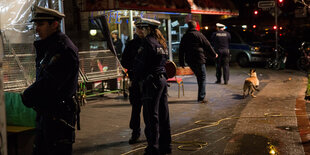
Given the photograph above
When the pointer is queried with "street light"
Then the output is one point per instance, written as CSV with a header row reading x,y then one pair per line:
x,y
255,12
280,2
93,32
275,27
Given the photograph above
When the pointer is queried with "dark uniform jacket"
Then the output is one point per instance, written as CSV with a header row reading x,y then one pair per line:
x,y
57,67
151,59
118,45
129,54
194,46
220,40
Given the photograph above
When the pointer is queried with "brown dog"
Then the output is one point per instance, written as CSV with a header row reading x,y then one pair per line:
x,y
251,83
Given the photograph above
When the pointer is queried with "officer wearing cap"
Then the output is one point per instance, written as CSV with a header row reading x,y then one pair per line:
x,y
52,94
149,67
127,61
118,45
220,41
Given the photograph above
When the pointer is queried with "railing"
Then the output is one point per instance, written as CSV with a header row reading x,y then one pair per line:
x,y
18,66
100,73
98,69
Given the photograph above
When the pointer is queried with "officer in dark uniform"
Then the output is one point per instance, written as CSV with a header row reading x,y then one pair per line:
x,y
127,61
220,41
117,42
51,95
149,68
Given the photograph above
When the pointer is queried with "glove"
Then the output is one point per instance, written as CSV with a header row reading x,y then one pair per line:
x,y
24,100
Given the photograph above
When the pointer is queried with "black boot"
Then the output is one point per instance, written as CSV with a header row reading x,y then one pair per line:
x,y
164,151
134,137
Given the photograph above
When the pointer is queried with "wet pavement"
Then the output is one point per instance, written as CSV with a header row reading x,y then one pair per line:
x,y
276,121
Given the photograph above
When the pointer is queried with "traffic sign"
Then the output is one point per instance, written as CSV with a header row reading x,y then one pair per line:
x,y
266,4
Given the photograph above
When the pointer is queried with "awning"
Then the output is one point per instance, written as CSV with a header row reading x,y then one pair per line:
x,y
215,7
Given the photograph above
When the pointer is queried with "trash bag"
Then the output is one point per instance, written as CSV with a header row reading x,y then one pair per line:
x,y
17,114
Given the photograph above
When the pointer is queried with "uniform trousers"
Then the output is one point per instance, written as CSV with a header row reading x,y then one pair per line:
x,y
53,136
135,101
222,62
156,116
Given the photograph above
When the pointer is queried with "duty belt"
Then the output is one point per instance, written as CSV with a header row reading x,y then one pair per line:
x,y
75,108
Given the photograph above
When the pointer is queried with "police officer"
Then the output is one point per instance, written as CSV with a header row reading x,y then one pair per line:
x,y
51,95
220,41
149,68
118,44
128,56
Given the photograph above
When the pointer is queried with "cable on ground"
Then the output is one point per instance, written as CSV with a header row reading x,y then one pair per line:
x,y
197,145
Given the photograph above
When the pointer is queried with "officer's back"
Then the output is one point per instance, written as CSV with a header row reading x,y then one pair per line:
x,y
220,39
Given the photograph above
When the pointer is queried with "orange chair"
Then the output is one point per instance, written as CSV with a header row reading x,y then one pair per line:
x,y
179,81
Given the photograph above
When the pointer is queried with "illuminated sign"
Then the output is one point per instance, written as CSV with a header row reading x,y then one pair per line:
x,y
115,16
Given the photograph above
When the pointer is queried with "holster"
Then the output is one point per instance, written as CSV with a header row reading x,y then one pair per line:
x,y
149,86
67,112
77,112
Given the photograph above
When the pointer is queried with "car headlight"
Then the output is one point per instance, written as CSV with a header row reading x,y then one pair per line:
x,y
255,49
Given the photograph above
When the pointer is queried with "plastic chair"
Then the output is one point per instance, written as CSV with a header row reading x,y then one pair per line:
x,y
179,81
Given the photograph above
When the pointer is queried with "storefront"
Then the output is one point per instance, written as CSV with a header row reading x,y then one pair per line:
x,y
173,26
173,16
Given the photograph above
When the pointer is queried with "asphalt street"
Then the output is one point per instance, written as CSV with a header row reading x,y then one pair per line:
x,y
276,121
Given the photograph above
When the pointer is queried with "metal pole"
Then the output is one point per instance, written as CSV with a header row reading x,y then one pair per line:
x,y
276,23
3,139
169,40
61,10
50,4
130,25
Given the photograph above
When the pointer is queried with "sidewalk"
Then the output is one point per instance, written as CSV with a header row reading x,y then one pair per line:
x,y
230,124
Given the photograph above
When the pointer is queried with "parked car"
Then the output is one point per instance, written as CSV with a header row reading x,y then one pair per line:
x,y
245,48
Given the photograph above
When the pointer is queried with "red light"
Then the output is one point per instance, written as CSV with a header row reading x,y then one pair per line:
x,y
254,26
280,34
255,12
197,26
280,3
275,27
